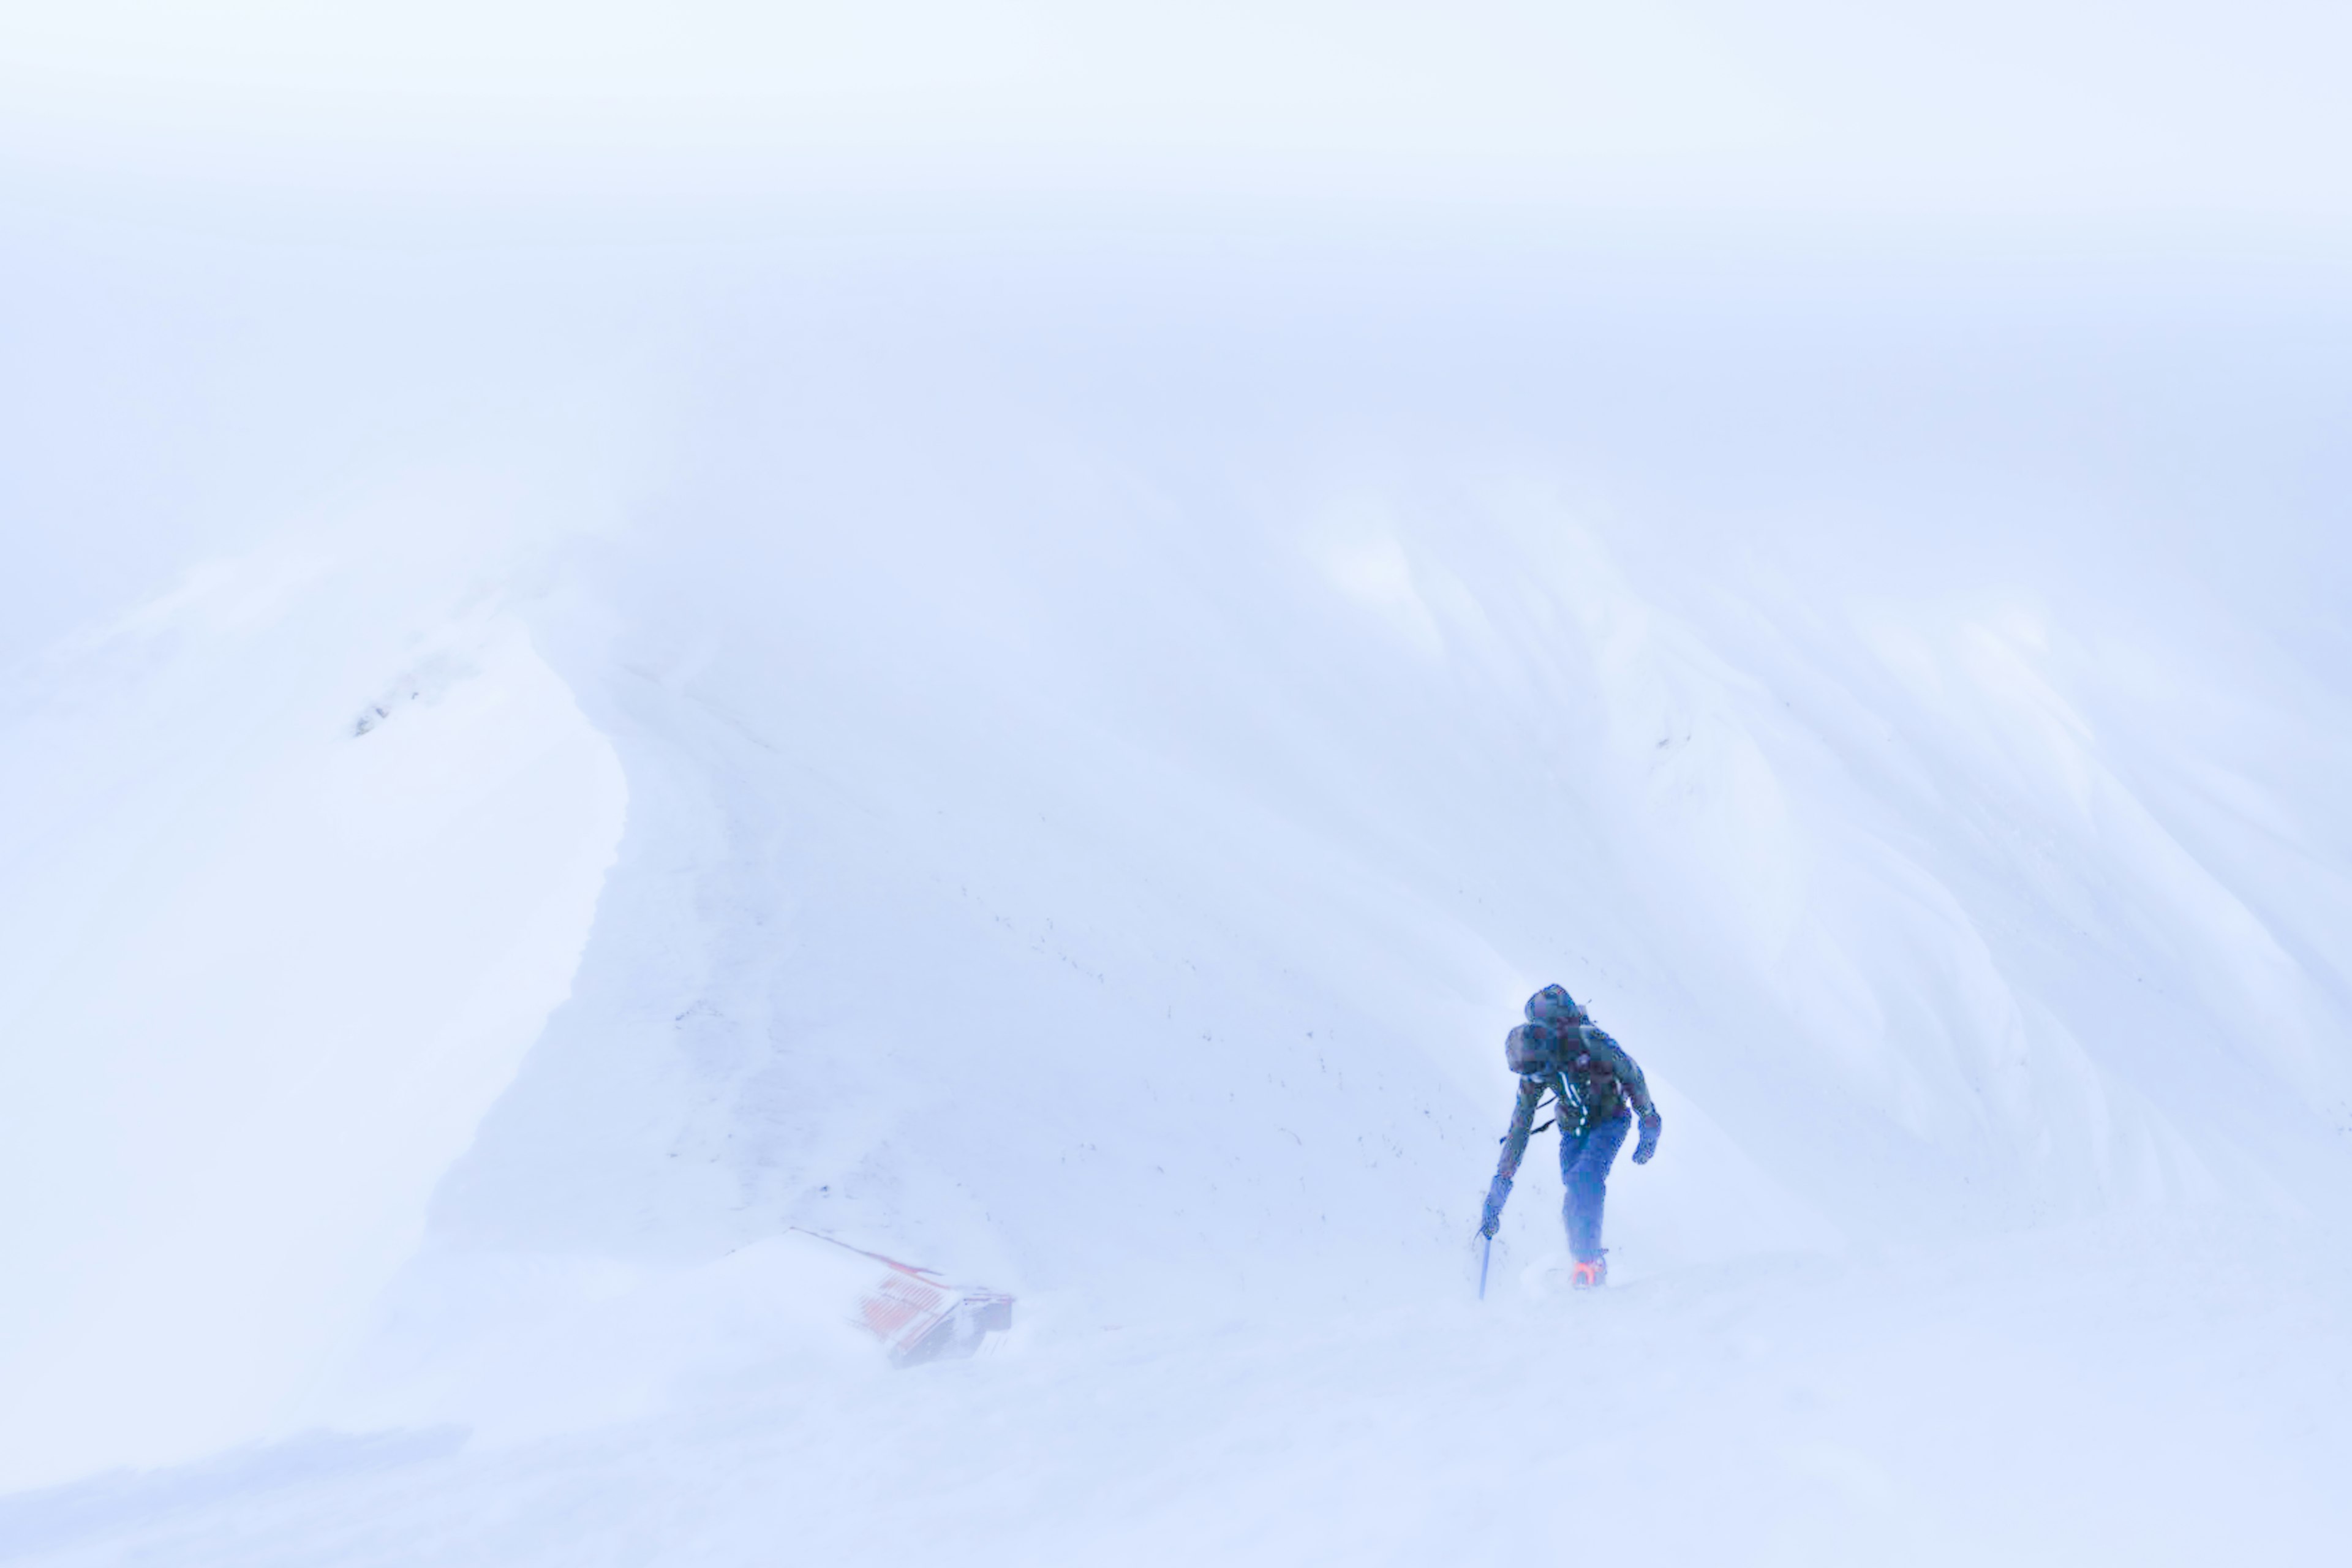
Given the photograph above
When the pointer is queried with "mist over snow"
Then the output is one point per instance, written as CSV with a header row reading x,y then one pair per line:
x,y
529,770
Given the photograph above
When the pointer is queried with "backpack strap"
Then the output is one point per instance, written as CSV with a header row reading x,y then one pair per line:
x,y
1563,1097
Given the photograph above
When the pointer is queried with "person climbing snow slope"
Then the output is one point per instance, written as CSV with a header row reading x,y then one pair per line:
x,y
1597,1092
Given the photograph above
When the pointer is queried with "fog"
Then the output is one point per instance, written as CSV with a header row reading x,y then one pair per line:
x,y
1015,640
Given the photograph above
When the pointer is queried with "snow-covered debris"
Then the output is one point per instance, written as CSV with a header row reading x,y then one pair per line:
x,y
917,1315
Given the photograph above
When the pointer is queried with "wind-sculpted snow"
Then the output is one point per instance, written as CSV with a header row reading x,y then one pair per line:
x,y
263,977
2011,1403
1103,771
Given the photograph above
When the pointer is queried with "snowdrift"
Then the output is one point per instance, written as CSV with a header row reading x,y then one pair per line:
x,y
296,870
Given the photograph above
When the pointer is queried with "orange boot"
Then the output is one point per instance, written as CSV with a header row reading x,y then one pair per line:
x,y
1592,1276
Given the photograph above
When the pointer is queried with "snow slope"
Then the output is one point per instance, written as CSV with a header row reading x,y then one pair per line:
x,y
1107,747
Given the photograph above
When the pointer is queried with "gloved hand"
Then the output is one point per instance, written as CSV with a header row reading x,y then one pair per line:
x,y
1648,1145
1496,1195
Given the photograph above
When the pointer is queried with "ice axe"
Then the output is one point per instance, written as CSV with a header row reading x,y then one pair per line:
x,y
1485,1253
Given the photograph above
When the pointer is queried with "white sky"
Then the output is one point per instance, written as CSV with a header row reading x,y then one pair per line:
x,y
2123,108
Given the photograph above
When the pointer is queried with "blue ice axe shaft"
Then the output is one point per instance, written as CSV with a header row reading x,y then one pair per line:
x,y
1485,1254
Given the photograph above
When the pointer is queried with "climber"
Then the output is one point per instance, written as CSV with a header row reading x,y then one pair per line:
x,y
1598,1094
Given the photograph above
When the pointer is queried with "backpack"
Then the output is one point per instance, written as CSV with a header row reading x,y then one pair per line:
x,y
1540,1048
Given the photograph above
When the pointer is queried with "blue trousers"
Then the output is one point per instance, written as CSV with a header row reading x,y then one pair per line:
x,y
1584,1162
